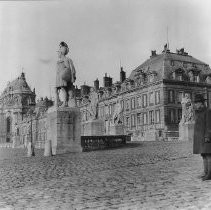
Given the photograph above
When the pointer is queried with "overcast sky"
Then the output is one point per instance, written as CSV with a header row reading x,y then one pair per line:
x,y
99,33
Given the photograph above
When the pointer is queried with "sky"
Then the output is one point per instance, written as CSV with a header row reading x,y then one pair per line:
x,y
101,34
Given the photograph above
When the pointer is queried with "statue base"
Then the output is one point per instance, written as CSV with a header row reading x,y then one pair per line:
x,y
116,129
93,128
186,131
63,131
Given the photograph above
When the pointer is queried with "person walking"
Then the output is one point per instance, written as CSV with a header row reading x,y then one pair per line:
x,y
202,134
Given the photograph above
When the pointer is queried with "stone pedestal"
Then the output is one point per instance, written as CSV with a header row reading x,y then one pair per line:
x,y
116,129
186,131
93,128
63,130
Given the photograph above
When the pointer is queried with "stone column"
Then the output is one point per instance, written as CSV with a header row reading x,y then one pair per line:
x,y
63,131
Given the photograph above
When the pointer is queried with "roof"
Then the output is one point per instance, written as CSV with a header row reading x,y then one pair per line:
x,y
19,85
161,64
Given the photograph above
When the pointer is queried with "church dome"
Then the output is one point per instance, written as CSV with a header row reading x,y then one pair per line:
x,y
19,85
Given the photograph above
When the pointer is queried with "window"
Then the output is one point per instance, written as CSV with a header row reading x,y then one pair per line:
x,y
171,96
179,115
157,97
196,78
127,121
157,116
138,118
110,108
179,77
151,117
145,100
139,101
122,104
171,116
145,118
179,97
172,63
133,103
127,104
133,120
151,98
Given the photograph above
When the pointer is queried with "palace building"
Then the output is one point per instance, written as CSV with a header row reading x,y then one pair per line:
x,y
151,96
150,99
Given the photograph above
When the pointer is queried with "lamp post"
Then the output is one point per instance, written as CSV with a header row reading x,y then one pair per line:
x,y
30,146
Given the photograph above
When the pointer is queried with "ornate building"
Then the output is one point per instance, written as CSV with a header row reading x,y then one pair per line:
x,y
151,96
15,102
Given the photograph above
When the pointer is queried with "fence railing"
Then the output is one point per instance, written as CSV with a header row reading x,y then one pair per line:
x,y
89,143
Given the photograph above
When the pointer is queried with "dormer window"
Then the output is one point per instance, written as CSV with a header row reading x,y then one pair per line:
x,y
178,74
193,65
172,63
179,77
196,78
185,64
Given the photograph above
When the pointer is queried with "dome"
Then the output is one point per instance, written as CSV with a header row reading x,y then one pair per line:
x,y
19,85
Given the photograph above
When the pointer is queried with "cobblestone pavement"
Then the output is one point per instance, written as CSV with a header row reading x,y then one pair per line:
x,y
150,175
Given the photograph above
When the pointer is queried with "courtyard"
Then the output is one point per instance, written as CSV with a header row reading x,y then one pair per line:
x,y
140,175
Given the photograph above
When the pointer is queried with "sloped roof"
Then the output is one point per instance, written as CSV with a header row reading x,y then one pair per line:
x,y
157,64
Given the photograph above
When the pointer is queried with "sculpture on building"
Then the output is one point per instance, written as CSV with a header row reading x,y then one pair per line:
x,y
117,115
187,110
93,106
65,77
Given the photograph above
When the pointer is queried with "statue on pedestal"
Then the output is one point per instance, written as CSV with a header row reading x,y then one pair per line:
x,y
187,110
65,77
117,115
93,106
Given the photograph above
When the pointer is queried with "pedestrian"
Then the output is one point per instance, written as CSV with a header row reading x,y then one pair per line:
x,y
202,134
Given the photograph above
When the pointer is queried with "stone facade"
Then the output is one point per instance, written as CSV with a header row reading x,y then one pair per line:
x,y
151,96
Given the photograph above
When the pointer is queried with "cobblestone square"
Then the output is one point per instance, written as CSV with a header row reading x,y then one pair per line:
x,y
145,175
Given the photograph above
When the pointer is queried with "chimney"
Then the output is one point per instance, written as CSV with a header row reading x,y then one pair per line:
x,y
106,80
110,81
153,53
122,75
96,84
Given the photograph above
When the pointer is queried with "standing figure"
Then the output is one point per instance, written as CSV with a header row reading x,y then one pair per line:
x,y
93,106
202,134
187,110
65,77
117,115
